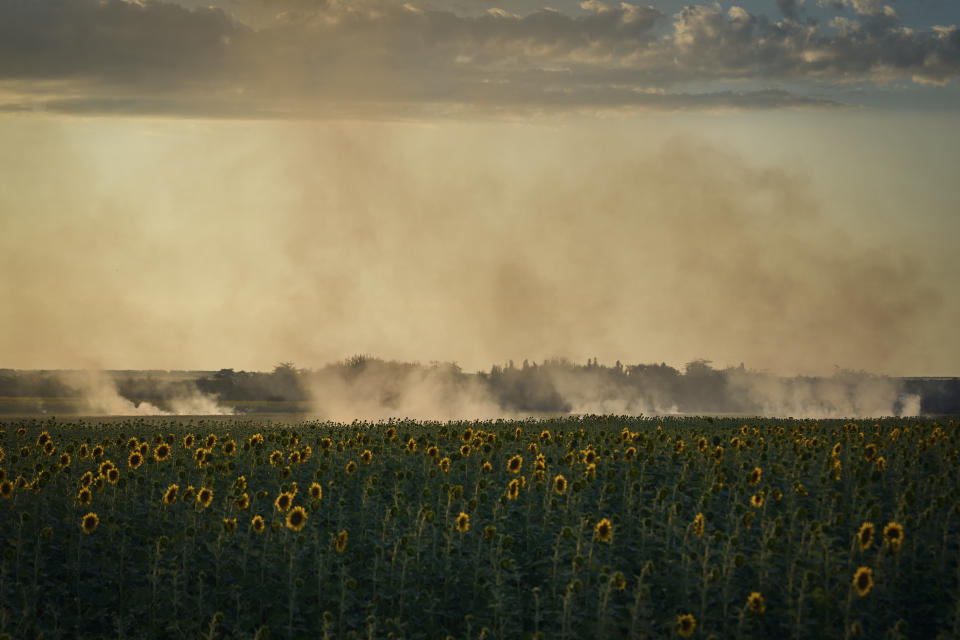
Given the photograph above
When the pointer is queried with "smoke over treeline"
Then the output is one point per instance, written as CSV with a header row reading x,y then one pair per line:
x,y
372,388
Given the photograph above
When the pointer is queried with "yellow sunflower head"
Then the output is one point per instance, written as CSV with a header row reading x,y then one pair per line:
x,y
316,491
205,497
686,624
865,535
755,603
604,530
89,523
283,502
257,524
296,518
699,522
560,484
893,536
463,522
515,464
341,541
170,495
863,580
513,489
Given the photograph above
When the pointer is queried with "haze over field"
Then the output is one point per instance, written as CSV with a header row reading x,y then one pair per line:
x,y
194,185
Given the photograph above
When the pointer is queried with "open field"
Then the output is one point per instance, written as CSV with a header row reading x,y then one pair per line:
x,y
565,528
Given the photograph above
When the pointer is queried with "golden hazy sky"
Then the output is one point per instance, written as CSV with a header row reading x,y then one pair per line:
x,y
241,185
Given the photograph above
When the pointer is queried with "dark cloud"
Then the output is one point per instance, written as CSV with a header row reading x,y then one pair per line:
x,y
316,58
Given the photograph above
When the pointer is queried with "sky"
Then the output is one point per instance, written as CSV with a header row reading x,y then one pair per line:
x,y
236,183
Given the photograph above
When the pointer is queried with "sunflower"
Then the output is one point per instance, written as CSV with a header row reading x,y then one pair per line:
x,y
64,461
255,440
257,524
42,438
865,535
863,580
49,448
326,443
560,484
98,482
515,464
6,489
341,542
589,456
294,457
243,501
390,433
211,441
89,522
229,448
463,522
205,497
630,454
86,479
366,456
296,518
756,500
83,451
518,433
113,475
84,497
702,444
161,452
465,450
467,435
835,452
487,467
513,489
718,454
699,521
411,445
283,502
545,435
305,453
200,456
869,452
229,525
445,464
316,491
276,458
893,535
97,452
351,468
755,476
105,466
135,460
604,530
433,451
755,603
881,463
800,489
532,448
679,446
618,581
686,623
170,495
188,441
591,471
144,449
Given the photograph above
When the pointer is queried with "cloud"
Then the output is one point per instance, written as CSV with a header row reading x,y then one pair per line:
x,y
309,59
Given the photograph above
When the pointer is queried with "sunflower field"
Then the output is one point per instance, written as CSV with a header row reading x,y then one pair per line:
x,y
584,527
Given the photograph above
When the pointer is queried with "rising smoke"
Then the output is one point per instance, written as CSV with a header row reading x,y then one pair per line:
x,y
99,395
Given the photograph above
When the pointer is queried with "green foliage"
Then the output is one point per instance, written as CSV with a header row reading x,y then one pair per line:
x,y
619,552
